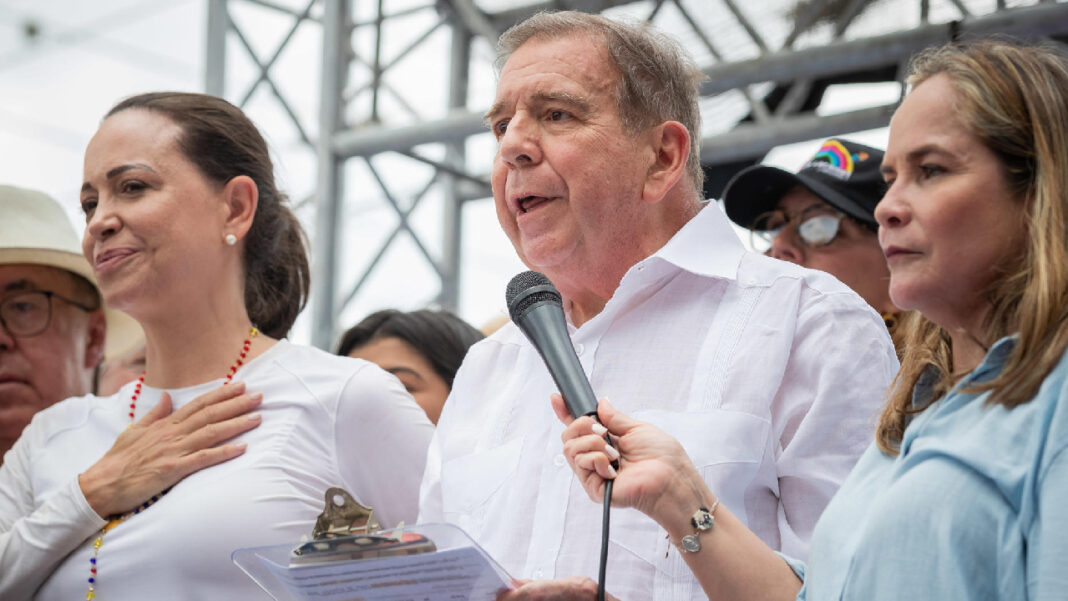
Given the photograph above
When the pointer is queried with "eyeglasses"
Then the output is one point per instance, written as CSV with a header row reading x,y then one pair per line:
x,y
817,225
28,314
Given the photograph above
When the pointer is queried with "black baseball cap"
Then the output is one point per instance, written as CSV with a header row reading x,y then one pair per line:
x,y
843,174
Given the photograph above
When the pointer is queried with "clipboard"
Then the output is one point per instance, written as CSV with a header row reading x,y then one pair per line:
x,y
424,562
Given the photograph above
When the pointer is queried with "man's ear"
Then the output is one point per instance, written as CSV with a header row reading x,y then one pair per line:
x,y
671,145
95,341
240,199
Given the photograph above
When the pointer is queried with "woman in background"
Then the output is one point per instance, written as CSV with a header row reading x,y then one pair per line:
x,y
422,348
145,494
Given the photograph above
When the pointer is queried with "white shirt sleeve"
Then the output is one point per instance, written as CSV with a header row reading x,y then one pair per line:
x,y
470,376
431,508
430,491
825,411
382,437
34,539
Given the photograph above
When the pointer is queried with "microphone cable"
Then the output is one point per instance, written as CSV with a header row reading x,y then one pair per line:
x,y
604,539
606,513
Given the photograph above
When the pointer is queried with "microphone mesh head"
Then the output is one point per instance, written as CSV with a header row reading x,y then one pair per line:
x,y
518,302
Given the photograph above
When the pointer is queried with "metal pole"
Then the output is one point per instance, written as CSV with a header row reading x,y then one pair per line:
x,y
455,155
215,57
376,65
878,51
335,60
749,140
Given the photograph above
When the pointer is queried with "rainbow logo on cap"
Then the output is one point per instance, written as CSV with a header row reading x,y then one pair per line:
x,y
834,153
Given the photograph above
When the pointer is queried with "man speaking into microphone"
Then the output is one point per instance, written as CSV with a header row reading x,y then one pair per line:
x,y
769,374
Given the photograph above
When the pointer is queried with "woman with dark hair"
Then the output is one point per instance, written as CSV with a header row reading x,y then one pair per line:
x,y
962,495
422,348
232,435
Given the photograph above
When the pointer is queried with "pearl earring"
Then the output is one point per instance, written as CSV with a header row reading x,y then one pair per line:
x,y
230,239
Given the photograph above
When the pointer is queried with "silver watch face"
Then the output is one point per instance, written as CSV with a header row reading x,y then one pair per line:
x,y
704,520
690,543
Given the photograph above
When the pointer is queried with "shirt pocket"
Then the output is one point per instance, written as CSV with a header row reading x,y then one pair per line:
x,y
727,448
468,483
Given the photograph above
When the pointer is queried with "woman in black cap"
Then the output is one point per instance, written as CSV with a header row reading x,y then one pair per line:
x,y
822,217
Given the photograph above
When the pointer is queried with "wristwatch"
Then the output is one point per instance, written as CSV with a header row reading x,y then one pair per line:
x,y
702,520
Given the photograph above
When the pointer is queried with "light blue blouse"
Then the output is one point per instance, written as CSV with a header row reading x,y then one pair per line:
x,y
975,507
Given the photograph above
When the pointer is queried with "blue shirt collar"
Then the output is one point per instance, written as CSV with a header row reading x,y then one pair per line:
x,y
988,368
995,358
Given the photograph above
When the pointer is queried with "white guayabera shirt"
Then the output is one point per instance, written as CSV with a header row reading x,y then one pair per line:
x,y
771,376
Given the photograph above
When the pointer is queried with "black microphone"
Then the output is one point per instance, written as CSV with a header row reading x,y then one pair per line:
x,y
537,308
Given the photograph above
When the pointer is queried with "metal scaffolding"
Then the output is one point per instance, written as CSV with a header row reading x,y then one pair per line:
x,y
779,79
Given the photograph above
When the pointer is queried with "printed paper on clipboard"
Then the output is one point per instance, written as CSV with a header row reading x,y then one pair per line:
x,y
458,569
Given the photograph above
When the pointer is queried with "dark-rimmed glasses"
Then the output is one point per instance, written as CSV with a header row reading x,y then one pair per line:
x,y
27,314
816,226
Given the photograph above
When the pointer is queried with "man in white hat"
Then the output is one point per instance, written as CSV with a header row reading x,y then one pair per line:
x,y
52,321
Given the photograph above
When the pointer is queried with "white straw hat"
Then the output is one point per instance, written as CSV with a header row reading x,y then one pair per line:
x,y
34,229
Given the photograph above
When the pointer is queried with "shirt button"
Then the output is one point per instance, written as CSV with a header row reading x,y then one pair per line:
x,y
579,348
559,461
538,574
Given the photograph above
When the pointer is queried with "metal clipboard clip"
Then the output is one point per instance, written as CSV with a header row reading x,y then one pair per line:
x,y
347,530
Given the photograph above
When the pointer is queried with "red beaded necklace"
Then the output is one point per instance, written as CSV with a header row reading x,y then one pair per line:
x,y
115,520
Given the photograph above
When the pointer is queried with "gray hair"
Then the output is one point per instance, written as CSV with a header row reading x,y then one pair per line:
x,y
659,81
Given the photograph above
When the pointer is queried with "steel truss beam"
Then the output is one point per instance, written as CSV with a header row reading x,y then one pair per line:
x,y
832,59
798,77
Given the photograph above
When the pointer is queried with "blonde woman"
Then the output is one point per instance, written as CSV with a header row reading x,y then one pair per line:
x,y
963,494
